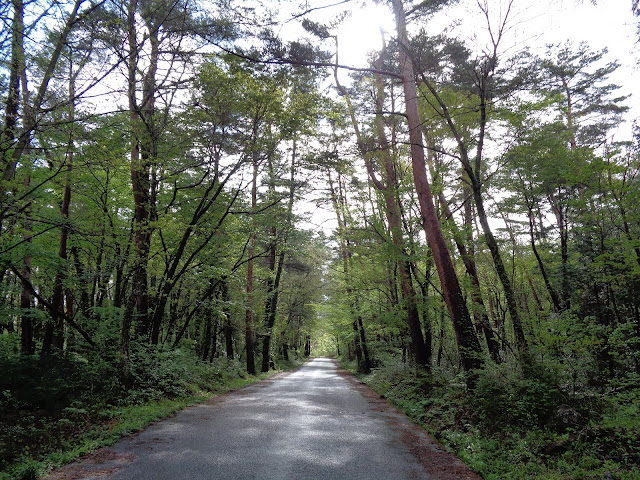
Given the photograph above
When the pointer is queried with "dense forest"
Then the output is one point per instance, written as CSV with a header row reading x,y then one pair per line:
x,y
158,158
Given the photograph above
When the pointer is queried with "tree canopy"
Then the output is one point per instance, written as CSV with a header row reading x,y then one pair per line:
x,y
476,217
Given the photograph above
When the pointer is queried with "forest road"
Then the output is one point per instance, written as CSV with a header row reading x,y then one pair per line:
x,y
317,422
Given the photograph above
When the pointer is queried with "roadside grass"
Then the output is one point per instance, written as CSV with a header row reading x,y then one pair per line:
x,y
57,409
514,428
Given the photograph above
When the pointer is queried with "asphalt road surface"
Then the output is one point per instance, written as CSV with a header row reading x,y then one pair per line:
x,y
315,423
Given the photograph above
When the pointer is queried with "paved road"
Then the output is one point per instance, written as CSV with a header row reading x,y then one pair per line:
x,y
315,423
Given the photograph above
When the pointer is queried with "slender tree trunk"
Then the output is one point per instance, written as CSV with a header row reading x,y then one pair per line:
x,y
552,293
119,281
141,156
470,266
475,177
270,313
136,301
150,325
422,353
228,328
8,143
272,294
307,346
426,323
468,259
248,322
214,341
8,137
365,350
31,110
337,201
272,279
441,338
468,346
272,309
54,332
28,346
521,341
206,338
271,266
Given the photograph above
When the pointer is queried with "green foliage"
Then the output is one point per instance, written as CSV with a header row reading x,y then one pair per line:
x,y
512,427
62,406
571,195
504,398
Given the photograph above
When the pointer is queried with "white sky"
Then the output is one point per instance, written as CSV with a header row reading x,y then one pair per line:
x,y
609,24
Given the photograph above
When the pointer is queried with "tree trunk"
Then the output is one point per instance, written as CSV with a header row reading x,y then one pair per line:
x,y
137,301
206,338
228,329
28,346
422,353
468,259
338,201
271,313
214,341
521,341
248,334
366,367
274,286
307,346
8,138
31,110
552,293
54,333
468,346
475,177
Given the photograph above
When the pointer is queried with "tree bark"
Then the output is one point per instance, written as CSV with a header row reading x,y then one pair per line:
x,y
228,328
422,352
8,138
136,301
214,341
272,293
557,306
474,174
54,333
206,338
337,200
307,346
468,259
248,322
270,311
560,212
28,346
468,346
31,110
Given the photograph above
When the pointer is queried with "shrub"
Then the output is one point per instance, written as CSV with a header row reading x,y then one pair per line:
x,y
505,398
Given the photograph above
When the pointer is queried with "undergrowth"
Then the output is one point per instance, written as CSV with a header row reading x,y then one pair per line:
x,y
513,427
59,407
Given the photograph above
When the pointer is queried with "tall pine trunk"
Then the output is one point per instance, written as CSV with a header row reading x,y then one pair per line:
x,y
337,200
468,345
422,351
474,174
272,292
248,322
